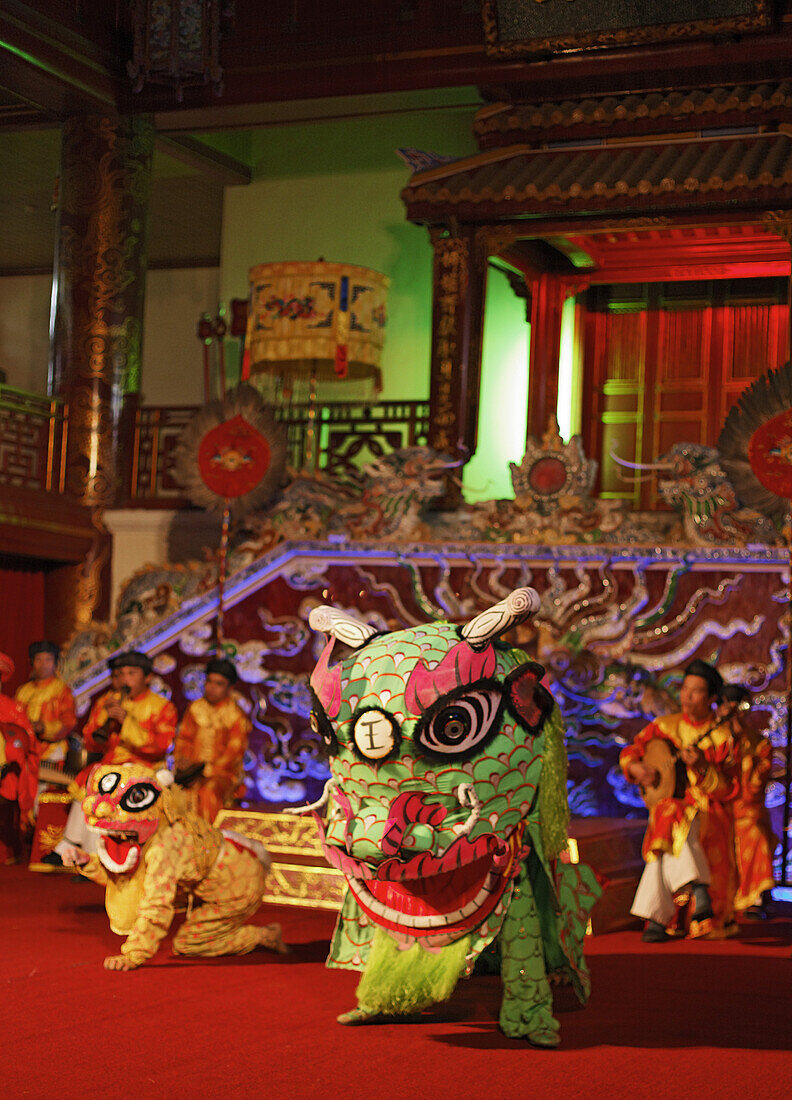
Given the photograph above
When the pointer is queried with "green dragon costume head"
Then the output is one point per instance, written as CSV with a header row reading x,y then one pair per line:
x,y
448,781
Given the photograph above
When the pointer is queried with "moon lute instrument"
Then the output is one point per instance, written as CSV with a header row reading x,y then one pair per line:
x,y
670,779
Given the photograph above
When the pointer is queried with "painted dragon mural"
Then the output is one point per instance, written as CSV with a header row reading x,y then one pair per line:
x,y
448,816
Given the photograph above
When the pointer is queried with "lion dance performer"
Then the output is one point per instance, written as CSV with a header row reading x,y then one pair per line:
x,y
448,817
152,851
18,770
212,739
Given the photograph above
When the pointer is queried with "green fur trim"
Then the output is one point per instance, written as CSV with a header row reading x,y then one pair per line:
x,y
553,801
398,982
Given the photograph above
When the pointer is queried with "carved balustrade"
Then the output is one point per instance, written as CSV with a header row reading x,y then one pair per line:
x,y
33,433
347,434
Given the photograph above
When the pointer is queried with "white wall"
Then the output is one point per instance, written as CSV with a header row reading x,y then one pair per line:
x,y
140,538
172,364
24,330
172,368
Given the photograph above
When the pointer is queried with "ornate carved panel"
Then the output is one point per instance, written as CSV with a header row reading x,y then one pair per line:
x,y
615,629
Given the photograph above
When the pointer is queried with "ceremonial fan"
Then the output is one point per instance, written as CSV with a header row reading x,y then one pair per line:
x,y
756,451
230,458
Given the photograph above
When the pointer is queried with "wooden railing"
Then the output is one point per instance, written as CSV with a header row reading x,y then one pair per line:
x,y
157,430
33,431
337,438
349,434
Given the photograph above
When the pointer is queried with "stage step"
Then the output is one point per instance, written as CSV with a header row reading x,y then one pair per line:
x,y
611,846
301,876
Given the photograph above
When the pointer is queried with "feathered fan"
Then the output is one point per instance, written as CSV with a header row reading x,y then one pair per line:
x,y
232,453
231,457
756,444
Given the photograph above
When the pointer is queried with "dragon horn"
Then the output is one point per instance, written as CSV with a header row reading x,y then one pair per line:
x,y
640,465
346,628
517,606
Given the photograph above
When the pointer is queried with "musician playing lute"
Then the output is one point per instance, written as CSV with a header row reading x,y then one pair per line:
x,y
689,841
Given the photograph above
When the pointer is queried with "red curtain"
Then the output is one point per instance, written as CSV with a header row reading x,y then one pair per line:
x,y
21,618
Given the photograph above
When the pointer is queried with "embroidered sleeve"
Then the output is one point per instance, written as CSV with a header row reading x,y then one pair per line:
x,y
234,748
58,716
96,718
757,764
636,750
718,779
184,747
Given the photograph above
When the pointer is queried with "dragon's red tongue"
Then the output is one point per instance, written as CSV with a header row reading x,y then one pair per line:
x,y
434,894
118,850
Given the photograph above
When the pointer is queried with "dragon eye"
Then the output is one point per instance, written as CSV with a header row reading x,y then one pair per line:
x,y
321,725
108,782
458,726
139,797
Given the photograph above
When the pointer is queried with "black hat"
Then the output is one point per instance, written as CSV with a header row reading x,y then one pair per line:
x,y
221,666
133,658
735,693
43,647
708,673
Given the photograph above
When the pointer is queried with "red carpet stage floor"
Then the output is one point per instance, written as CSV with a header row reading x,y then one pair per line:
x,y
690,1019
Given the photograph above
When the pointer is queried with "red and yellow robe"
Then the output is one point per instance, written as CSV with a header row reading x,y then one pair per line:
x,y
18,776
145,735
711,791
754,840
49,701
146,732
215,735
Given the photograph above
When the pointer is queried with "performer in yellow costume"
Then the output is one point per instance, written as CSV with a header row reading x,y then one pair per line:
x,y
153,853
754,840
147,722
689,841
48,703
214,733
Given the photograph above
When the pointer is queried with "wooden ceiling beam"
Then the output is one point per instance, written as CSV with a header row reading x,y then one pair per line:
x,y
208,161
49,70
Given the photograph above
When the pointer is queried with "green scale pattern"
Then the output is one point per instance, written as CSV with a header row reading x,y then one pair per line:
x,y
516,778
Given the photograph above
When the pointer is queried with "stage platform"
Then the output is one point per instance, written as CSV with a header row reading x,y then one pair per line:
x,y
301,876
689,1018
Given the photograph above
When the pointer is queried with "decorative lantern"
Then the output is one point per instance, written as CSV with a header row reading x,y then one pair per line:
x,y
318,323
177,42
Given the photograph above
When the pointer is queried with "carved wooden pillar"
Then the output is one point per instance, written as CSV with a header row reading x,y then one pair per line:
x,y
99,283
457,322
96,331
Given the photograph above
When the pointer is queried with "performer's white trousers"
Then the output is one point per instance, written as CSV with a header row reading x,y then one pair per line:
x,y
663,877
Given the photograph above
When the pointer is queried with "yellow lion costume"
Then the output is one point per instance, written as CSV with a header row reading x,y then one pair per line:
x,y
152,853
